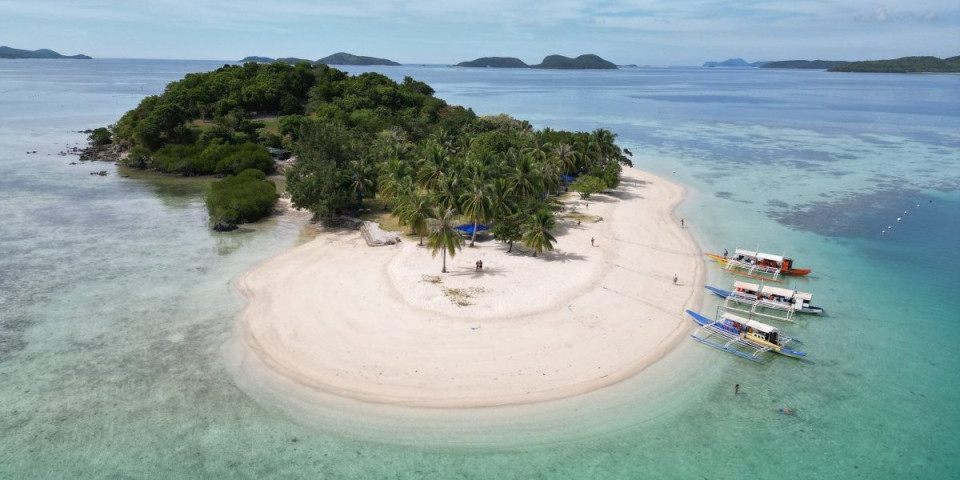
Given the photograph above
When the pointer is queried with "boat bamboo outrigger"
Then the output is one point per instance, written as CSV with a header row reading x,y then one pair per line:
x,y
747,338
759,265
766,301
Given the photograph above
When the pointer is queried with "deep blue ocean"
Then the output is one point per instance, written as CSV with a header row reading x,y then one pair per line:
x,y
116,303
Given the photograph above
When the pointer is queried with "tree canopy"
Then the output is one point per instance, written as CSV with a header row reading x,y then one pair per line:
x,y
360,137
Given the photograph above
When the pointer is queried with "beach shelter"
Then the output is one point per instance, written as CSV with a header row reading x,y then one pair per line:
x,y
468,228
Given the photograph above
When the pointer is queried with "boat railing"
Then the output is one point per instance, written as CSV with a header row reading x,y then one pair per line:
x,y
750,305
754,269
713,335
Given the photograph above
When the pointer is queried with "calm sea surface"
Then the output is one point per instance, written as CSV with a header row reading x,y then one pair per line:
x,y
116,305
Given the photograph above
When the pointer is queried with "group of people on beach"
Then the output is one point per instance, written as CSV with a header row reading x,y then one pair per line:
x,y
479,265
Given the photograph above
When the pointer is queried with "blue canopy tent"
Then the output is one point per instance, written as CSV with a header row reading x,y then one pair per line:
x,y
567,178
468,228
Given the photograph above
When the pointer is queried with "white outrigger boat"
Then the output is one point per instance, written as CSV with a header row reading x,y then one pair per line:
x,y
747,338
760,300
759,265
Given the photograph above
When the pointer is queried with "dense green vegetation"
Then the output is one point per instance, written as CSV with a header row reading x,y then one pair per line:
x,y
359,138
903,65
246,197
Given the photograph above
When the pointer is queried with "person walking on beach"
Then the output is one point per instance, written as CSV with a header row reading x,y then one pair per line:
x,y
674,278
591,242
681,223
478,266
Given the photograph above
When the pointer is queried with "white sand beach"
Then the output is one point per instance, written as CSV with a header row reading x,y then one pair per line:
x,y
383,325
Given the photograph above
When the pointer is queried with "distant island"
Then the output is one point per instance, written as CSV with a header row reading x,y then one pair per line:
x,y
734,62
554,62
903,65
44,53
495,62
339,58
257,59
806,64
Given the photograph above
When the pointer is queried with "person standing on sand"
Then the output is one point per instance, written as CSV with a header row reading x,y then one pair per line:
x,y
681,223
674,278
591,242
478,266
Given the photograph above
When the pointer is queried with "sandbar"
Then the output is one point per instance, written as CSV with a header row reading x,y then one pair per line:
x,y
384,325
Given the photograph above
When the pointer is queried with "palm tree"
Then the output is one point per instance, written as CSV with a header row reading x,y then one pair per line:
x,y
445,237
524,179
537,235
414,209
566,155
476,205
433,167
361,173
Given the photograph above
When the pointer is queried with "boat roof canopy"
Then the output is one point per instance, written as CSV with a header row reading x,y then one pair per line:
x,y
746,253
767,256
753,287
783,292
761,327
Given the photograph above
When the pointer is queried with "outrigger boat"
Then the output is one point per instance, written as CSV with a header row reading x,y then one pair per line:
x,y
759,265
757,300
739,336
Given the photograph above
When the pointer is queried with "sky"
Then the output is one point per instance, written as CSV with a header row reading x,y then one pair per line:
x,y
643,32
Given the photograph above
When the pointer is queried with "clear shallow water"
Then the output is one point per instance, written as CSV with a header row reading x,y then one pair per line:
x,y
115,304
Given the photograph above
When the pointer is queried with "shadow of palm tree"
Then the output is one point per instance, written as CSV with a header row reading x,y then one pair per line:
x,y
494,271
561,256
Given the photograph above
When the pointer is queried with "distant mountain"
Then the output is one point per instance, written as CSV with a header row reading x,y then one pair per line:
x,y
583,62
903,65
342,58
734,62
257,59
495,62
806,64
7,52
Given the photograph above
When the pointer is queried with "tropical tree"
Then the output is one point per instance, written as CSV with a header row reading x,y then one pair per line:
x,y
524,179
508,229
476,205
415,209
361,173
587,185
566,156
445,237
537,233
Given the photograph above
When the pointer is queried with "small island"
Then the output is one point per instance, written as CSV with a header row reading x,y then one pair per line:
x,y
903,65
734,62
342,58
806,64
43,53
495,62
339,58
550,62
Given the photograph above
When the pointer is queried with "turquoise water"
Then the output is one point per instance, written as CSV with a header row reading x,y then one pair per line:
x,y
116,307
